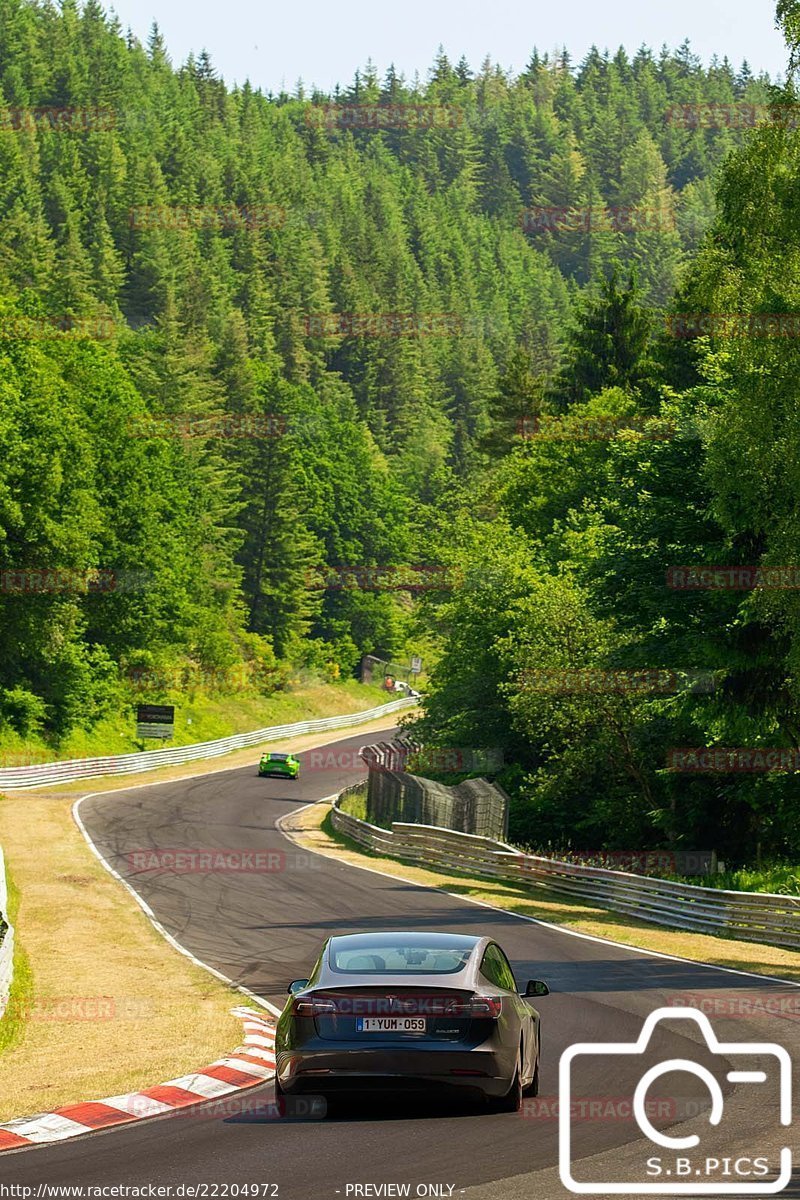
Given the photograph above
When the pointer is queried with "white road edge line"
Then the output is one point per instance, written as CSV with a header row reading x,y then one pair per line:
x,y
587,937
147,910
133,1103
372,870
145,907
359,867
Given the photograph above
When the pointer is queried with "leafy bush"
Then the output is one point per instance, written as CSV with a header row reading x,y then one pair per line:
x,y
22,711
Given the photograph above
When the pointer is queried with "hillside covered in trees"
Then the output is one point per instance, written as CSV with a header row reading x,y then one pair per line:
x,y
628,629
253,345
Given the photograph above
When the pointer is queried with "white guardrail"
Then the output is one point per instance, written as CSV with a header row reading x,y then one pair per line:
x,y
129,764
749,916
6,941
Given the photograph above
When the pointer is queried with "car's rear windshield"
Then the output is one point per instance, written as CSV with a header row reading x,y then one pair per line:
x,y
278,757
391,959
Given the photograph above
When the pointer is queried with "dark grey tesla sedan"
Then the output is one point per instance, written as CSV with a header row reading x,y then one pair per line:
x,y
398,1011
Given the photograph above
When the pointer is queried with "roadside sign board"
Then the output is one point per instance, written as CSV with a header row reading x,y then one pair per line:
x,y
155,720
416,664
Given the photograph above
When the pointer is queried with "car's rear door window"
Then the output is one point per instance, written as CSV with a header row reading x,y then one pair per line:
x,y
496,968
507,974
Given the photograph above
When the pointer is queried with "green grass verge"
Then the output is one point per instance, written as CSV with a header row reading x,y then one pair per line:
x,y
355,804
199,717
313,828
783,879
19,1001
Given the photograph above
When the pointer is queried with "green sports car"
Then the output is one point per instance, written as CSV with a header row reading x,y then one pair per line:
x,y
285,765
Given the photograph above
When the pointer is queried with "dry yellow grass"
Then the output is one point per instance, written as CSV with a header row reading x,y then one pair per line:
x,y
114,1007
311,828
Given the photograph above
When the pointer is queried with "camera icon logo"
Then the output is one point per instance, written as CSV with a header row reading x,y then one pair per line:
x,y
676,1170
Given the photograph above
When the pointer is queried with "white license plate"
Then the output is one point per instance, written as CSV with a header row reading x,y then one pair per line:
x,y
390,1024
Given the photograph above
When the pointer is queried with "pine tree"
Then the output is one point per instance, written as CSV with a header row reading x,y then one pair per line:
x,y
609,345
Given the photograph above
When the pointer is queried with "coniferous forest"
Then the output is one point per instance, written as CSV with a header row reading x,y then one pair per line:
x,y
526,347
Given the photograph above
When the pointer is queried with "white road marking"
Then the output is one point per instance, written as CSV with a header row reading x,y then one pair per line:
x,y
587,937
249,1068
137,1104
257,1052
47,1127
203,1085
145,907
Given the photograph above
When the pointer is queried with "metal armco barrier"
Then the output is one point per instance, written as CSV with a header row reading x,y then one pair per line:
x,y
393,793
474,806
130,764
749,916
6,941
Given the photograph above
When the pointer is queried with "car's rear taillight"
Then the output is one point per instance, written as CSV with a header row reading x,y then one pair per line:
x,y
311,1007
427,1005
476,1007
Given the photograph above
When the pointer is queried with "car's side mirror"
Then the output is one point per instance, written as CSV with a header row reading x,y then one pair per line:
x,y
297,985
535,987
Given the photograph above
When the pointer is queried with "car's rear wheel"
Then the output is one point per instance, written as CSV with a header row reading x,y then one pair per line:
x,y
280,1098
512,1101
533,1087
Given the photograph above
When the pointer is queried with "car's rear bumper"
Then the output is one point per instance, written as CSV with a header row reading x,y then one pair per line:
x,y
395,1069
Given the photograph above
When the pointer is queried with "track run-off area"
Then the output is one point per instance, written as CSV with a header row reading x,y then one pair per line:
x,y
262,928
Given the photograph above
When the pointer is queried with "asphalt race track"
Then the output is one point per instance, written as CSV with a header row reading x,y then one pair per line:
x,y
263,929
